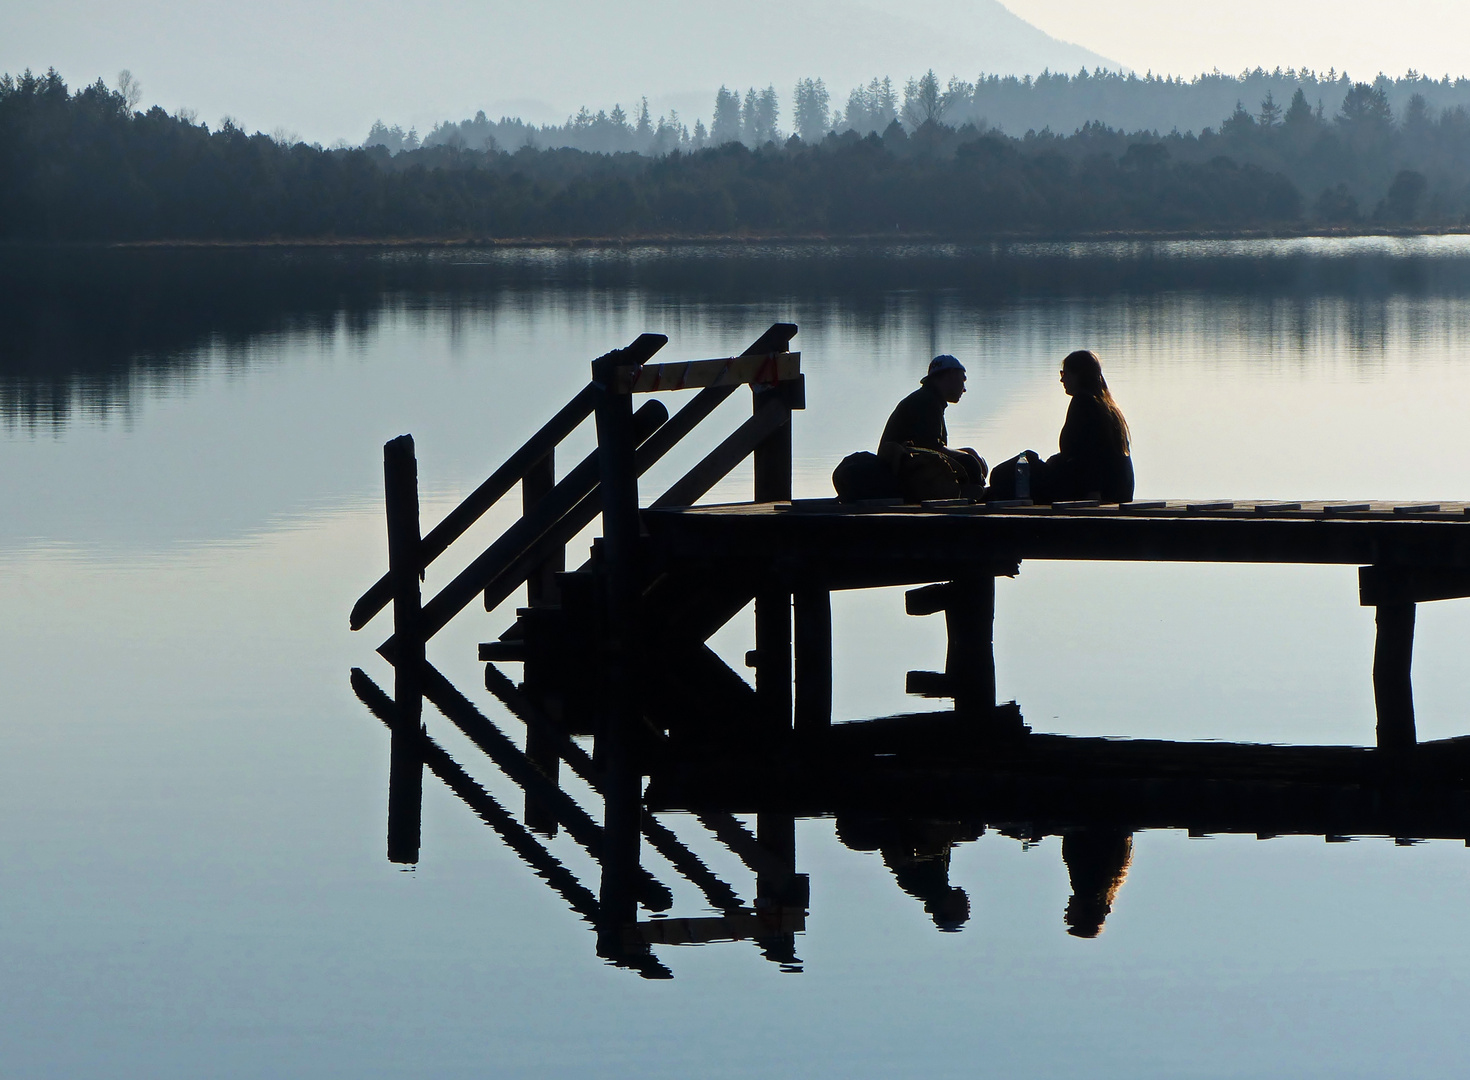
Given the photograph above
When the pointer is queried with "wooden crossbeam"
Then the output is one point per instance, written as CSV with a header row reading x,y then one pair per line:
x,y
726,371
1384,585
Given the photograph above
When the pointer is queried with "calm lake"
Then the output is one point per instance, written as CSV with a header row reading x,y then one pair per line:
x,y
192,799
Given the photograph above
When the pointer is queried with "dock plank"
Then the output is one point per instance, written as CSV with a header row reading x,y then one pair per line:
x,y
910,544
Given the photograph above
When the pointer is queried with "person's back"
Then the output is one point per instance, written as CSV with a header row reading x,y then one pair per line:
x,y
917,419
1093,456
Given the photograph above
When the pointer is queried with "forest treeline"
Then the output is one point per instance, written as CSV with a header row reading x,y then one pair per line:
x,y
1049,102
87,165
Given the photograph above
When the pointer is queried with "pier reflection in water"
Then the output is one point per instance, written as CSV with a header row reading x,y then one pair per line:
x,y
912,789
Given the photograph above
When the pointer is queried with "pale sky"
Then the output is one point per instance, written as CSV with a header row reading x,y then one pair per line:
x,y
325,69
1359,36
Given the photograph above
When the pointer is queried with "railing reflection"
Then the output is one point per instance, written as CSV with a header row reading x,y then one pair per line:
x,y
911,789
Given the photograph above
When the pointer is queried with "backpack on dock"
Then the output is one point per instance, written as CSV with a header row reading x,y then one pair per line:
x,y
864,476
907,472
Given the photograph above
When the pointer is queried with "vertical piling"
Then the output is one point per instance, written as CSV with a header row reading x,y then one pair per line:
x,y
1393,690
622,779
540,478
772,461
406,768
969,662
542,590
813,616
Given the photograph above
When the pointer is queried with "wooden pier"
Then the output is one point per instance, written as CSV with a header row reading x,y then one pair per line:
x,y
617,649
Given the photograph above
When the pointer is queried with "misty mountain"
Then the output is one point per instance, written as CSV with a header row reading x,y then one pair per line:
x,y
679,56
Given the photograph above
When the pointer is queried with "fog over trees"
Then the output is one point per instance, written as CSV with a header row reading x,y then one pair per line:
x,y
916,161
1048,103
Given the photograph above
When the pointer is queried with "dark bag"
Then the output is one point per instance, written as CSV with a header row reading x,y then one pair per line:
x,y
863,476
927,474
1003,478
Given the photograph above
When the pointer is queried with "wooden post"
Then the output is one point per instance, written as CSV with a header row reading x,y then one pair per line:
x,y
618,558
542,590
540,478
772,460
619,485
969,661
1393,690
405,768
813,612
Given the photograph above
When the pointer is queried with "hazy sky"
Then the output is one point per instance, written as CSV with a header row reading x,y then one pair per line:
x,y
1360,36
326,69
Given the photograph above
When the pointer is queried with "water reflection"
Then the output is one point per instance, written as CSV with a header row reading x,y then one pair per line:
x,y
90,330
912,789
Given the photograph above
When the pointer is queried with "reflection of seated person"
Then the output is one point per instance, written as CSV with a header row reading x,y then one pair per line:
x,y
918,854
919,419
1097,862
1095,459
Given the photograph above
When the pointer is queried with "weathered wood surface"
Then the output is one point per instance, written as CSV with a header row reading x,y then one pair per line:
x,y
405,769
748,367
862,546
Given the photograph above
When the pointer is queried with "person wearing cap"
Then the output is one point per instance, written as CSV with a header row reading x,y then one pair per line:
x,y
919,418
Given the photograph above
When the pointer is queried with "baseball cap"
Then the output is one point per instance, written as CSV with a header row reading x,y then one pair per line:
x,y
943,362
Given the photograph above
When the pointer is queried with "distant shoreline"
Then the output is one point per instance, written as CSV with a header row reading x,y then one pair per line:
x,y
739,241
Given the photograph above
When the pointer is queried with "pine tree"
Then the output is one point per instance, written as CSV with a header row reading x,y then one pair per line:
x,y
1270,111
750,119
725,125
644,128
767,109
809,109
1298,113
922,101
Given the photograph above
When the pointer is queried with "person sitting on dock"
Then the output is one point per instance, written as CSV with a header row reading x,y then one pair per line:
x,y
918,420
1095,459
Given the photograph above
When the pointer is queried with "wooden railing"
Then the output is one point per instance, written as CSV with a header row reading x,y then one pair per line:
x,y
605,481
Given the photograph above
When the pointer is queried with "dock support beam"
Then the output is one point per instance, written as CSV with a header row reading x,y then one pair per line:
x,y
405,558
542,590
772,466
1393,591
1393,689
541,585
969,662
813,616
968,604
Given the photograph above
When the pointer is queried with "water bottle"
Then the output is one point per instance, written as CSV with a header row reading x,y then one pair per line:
x,y
1023,477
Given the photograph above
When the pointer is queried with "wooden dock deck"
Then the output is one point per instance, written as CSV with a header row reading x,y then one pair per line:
x,y
824,538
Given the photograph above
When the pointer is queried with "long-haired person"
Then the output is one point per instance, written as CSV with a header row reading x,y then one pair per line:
x,y
1095,459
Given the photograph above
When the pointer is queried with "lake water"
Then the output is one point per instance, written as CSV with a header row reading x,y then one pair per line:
x,y
192,800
